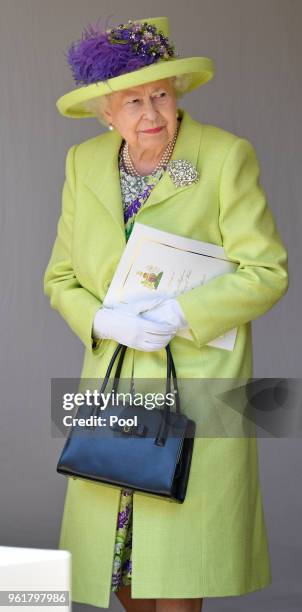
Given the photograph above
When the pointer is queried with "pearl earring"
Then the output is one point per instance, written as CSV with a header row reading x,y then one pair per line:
x,y
110,127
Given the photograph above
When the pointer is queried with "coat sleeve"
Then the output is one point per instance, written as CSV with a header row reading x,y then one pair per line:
x,y
250,239
76,304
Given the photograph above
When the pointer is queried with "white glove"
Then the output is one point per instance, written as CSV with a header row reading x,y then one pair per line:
x,y
132,330
158,310
168,311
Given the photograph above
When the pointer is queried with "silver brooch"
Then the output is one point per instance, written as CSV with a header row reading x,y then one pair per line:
x,y
182,172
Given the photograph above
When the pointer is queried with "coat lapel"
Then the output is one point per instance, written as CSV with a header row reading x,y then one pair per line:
x,y
103,174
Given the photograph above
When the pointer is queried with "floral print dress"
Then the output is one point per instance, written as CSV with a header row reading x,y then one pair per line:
x,y
135,191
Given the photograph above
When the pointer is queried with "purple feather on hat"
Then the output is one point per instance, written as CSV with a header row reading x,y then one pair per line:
x,y
101,55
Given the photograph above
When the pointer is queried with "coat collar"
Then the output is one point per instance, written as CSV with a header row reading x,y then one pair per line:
x,y
103,174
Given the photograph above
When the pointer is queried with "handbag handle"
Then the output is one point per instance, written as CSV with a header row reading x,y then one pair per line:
x,y
170,371
121,348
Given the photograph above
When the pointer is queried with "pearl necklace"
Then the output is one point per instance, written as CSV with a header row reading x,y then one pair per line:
x,y
163,161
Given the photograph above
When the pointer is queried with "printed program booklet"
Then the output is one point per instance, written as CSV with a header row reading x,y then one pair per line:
x,y
157,265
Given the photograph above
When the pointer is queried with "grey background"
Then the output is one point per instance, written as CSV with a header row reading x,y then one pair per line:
x,y
256,93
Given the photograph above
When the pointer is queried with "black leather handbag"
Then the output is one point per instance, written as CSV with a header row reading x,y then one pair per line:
x,y
150,453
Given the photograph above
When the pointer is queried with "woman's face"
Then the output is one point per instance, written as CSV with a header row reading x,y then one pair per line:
x,y
133,111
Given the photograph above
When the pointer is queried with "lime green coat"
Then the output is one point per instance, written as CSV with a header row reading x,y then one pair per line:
x,y
215,543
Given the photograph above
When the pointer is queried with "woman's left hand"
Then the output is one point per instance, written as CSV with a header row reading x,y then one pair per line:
x,y
164,311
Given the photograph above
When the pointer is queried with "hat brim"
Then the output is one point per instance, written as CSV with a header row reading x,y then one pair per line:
x,y
199,69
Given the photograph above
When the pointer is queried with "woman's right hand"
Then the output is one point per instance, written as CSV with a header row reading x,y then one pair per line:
x,y
132,330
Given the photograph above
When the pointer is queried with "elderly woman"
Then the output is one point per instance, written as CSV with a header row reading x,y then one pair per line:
x,y
152,554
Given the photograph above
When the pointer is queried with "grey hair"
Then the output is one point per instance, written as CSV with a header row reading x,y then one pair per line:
x,y
99,104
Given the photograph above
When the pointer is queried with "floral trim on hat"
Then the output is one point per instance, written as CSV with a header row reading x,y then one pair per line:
x,y
102,55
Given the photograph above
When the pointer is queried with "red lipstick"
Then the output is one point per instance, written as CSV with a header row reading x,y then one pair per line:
x,y
154,130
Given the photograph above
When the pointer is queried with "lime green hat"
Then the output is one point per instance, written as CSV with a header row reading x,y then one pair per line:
x,y
132,54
